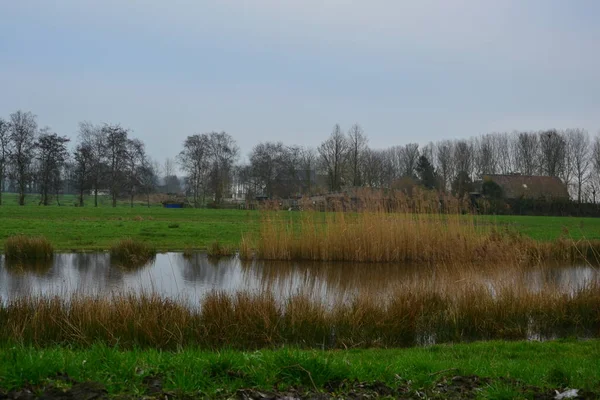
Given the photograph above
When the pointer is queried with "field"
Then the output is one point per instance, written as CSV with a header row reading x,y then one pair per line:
x,y
90,229
136,346
494,370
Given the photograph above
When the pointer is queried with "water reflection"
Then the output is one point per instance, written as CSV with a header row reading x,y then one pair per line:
x,y
190,278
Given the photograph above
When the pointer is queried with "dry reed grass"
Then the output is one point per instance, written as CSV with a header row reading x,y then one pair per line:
x,y
216,249
131,253
249,321
23,248
397,228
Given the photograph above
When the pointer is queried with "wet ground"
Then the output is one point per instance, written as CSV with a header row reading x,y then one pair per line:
x,y
449,387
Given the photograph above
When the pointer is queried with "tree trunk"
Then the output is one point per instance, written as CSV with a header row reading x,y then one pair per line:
x,y
21,194
81,198
114,200
131,199
96,196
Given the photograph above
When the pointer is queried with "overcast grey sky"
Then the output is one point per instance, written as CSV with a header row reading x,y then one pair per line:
x,y
407,71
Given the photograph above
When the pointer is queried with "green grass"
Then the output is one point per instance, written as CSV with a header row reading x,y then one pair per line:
x,y
549,365
550,228
88,228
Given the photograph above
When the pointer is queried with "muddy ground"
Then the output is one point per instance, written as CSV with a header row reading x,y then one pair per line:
x,y
451,387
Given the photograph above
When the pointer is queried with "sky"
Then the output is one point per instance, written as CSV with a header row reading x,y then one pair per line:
x,y
288,70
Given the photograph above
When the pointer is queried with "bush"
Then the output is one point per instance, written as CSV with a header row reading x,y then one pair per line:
x,y
23,248
132,252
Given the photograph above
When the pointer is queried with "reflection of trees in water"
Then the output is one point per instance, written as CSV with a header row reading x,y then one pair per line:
x,y
37,267
345,280
200,268
133,265
95,269
351,278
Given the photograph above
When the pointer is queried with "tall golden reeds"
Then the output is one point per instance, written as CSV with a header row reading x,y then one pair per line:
x,y
24,249
249,321
391,227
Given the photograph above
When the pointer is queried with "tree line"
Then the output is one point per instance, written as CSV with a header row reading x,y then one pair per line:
x,y
36,160
346,160
106,157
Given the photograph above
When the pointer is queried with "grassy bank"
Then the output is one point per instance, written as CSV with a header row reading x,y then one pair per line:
x,y
509,366
90,229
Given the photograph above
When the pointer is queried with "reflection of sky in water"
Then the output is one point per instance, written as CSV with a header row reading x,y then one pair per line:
x,y
172,275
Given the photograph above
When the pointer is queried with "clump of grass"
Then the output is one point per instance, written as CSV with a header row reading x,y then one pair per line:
x,y
173,226
131,252
217,249
188,252
23,248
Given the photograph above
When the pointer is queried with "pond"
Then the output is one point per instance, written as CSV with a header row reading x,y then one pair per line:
x,y
189,279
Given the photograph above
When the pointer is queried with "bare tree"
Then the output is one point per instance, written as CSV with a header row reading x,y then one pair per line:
x,y
505,152
580,147
148,177
116,155
194,160
82,171
552,156
595,167
307,159
168,171
410,157
463,158
358,144
273,168
485,155
527,151
334,157
136,167
223,153
445,163
374,172
93,138
22,134
51,155
4,153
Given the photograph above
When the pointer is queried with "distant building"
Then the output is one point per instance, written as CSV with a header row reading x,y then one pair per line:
x,y
517,186
101,192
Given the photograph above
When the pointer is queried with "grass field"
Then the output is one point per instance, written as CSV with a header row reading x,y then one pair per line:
x,y
88,228
510,365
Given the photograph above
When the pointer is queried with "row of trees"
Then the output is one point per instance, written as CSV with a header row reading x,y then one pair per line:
x,y
106,157
38,160
448,165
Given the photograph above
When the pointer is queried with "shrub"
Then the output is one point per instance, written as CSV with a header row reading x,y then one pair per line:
x,y
216,249
131,252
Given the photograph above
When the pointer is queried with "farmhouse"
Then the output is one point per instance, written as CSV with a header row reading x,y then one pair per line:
x,y
517,186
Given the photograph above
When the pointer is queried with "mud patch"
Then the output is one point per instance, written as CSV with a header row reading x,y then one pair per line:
x,y
62,387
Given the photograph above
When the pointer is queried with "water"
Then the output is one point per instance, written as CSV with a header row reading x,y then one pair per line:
x,y
190,279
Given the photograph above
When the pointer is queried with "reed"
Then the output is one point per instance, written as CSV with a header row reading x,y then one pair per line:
x,y
248,321
395,228
216,249
131,253
22,249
